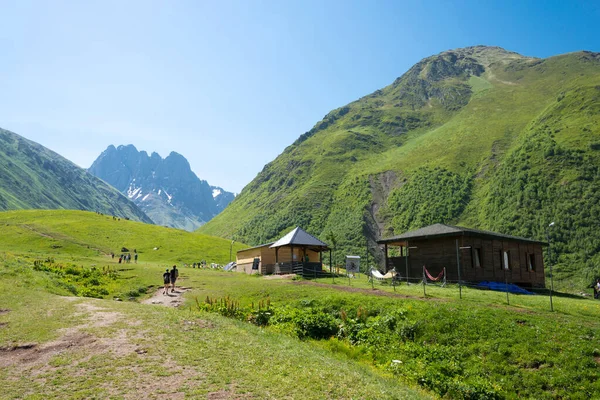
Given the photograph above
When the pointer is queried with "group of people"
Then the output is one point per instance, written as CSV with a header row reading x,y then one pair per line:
x,y
169,278
201,264
126,258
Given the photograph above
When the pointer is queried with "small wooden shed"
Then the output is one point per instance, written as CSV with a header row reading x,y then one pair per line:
x,y
481,255
296,252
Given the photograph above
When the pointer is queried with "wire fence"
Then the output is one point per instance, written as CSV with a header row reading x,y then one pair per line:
x,y
512,291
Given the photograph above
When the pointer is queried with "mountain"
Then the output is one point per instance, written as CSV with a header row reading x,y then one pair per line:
x,y
480,136
34,177
165,189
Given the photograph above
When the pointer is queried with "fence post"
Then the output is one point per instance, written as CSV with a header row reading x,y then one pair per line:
x,y
424,282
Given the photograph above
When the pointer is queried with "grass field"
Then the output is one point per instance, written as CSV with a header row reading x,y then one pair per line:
x,y
54,345
240,336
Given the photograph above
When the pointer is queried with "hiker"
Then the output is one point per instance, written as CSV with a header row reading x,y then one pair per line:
x,y
597,289
174,275
120,259
166,281
135,257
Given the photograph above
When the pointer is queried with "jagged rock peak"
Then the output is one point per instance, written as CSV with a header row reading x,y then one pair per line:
x,y
166,188
129,148
177,159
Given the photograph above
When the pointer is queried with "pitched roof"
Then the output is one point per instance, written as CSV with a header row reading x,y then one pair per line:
x,y
441,230
256,247
299,237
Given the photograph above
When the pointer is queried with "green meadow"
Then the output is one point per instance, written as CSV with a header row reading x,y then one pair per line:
x,y
63,334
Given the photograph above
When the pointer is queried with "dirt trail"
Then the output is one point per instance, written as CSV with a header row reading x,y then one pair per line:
x,y
72,339
171,299
80,346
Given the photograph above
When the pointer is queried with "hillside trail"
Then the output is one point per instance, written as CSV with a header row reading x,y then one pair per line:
x,y
121,336
171,299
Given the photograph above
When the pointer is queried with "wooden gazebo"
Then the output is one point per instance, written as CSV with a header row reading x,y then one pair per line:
x,y
299,252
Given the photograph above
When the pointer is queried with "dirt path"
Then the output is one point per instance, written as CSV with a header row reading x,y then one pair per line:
x,y
72,339
78,349
171,299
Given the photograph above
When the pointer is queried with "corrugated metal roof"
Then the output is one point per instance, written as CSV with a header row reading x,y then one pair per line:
x,y
299,237
439,230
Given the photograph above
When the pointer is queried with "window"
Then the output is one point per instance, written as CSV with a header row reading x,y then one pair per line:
x,y
506,259
531,262
476,258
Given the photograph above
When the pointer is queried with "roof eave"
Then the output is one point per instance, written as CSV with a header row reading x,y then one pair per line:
x,y
402,238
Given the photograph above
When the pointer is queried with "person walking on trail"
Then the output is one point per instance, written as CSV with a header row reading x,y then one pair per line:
x,y
166,281
174,276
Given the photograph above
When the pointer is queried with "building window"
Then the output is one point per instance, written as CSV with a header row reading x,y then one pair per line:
x,y
506,259
476,258
531,262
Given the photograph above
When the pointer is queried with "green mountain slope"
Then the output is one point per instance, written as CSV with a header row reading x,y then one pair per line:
x,y
34,177
478,136
68,233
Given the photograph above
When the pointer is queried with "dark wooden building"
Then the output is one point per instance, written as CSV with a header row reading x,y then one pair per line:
x,y
481,255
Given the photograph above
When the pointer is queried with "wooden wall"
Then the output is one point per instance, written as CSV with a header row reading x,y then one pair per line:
x,y
245,258
284,255
438,253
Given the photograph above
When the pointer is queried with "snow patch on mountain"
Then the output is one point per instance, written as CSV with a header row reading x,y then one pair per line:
x,y
133,191
215,193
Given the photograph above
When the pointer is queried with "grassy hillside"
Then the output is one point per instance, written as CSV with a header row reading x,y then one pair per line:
x,y
242,336
445,142
74,248
34,177
65,234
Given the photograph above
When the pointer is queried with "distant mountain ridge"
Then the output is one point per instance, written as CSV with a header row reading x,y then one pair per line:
x,y
166,189
34,177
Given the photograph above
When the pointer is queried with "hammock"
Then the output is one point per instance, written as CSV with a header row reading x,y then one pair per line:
x,y
378,275
441,275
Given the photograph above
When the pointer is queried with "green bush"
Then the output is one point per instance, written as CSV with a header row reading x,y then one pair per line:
x,y
315,324
94,292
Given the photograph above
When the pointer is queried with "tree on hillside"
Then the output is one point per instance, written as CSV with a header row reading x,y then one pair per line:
x,y
331,238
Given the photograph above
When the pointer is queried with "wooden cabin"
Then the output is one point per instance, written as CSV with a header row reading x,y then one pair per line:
x,y
256,260
481,255
297,249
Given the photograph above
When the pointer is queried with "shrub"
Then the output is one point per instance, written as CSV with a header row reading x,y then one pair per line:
x,y
94,292
316,325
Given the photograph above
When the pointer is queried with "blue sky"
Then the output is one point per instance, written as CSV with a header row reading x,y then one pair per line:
x,y
230,84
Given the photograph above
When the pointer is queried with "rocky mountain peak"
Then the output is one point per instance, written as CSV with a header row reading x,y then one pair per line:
x,y
167,189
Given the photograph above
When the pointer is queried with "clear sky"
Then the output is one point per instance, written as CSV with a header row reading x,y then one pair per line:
x,y
230,84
